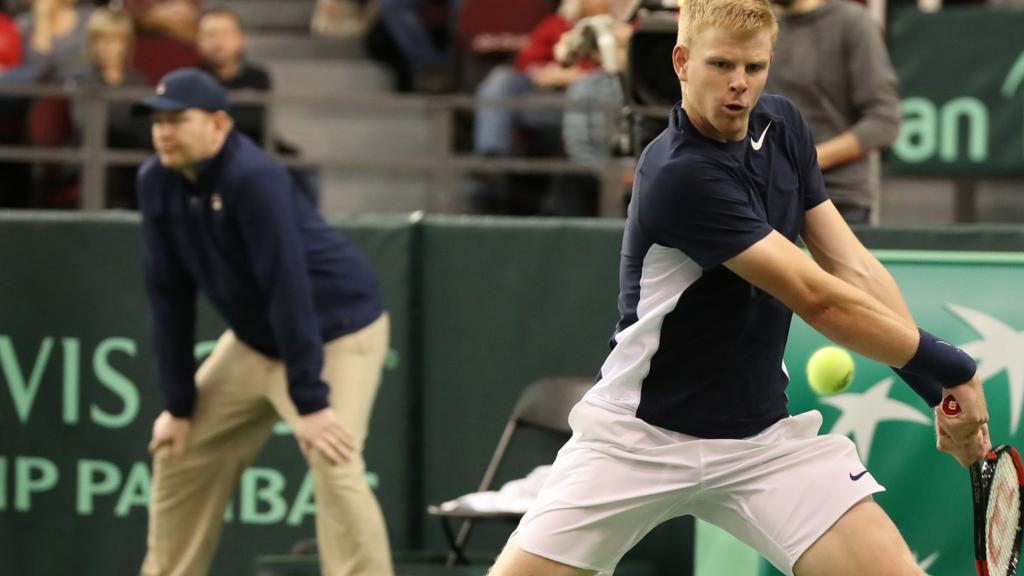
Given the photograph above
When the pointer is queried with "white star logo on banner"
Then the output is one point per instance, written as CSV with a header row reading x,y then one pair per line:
x,y
861,414
1000,348
927,562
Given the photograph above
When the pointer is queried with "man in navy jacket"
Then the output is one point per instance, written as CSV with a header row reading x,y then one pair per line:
x,y
306,340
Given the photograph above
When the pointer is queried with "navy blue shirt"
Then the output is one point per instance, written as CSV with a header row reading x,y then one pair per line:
x,y
243,234
697,349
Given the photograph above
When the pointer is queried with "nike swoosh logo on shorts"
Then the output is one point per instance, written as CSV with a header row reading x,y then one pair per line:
x,y
756,144
856,477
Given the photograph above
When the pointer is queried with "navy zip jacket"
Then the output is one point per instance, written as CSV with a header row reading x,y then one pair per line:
x,y
245,236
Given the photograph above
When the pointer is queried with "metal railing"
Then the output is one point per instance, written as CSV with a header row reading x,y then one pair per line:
x,y
440,163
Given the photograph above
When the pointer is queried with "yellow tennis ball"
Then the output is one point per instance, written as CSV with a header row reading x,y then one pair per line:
x,y
830,370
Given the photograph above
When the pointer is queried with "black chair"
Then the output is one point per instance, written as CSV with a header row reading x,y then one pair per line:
x,y
544,405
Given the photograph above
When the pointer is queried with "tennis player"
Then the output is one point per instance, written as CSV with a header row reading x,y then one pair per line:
x,y
689,415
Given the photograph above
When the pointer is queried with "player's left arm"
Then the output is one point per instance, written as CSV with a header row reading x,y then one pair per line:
x,y
839,252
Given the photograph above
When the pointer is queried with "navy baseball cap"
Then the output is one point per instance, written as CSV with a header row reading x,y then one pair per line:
x,y
182,89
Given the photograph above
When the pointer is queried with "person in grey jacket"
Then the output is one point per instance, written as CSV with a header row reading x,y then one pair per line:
x,y
831,61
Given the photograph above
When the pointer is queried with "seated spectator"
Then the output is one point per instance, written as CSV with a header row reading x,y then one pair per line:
x,y
53,41
10,43
52,49
535,71
408,37
586,131
221,45
109,42
174,18
594,126
431,67
13,176
339,18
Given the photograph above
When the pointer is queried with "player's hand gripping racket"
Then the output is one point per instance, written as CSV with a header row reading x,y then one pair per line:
x,y
996,483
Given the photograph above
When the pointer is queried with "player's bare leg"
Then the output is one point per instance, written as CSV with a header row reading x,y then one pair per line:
x,y
514,561
863,541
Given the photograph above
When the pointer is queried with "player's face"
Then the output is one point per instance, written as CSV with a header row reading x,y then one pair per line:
x,y
183,138
220,40
724,73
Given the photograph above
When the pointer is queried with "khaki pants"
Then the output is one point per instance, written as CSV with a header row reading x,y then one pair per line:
x,y
241,394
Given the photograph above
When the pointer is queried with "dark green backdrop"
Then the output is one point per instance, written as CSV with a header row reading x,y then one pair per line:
x,y
481,307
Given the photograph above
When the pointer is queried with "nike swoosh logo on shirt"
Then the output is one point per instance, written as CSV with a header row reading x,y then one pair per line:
x,y
756,144
856,477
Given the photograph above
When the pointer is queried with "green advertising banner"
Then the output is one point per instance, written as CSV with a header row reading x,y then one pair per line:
x,y
480,308
961,73
971,300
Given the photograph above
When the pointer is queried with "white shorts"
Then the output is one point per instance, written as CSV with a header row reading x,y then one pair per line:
x,y
619,477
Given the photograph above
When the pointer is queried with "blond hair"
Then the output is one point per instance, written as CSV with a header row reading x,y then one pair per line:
x,y
744,16
107,21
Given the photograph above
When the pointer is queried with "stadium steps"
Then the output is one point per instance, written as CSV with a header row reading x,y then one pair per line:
x,y
273,15
322,131
300,45
303,65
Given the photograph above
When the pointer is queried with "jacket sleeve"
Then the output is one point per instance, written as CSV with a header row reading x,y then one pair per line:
x,y
172,304
270,230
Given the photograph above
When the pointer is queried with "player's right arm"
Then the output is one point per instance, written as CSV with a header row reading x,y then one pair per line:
x,y
840,311
839,252
855,319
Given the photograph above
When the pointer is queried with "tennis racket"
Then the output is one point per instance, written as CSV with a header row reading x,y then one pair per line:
x,y
996,484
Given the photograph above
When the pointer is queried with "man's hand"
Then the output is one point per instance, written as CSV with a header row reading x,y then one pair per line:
x,y
322,430
962,410
961,422
967,451
170,430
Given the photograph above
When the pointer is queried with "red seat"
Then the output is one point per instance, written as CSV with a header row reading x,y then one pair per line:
x,y
155,56
49,124
499,26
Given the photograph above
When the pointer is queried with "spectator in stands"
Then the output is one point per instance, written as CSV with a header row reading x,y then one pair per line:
x,y
109,43
535,71
221,45
593,128
408,38
53,50
10,43
53,35
174,18
586,132
830,60
431,67
339,18
13,176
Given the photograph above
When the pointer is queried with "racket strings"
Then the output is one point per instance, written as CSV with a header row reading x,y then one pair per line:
x,y
1002,517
